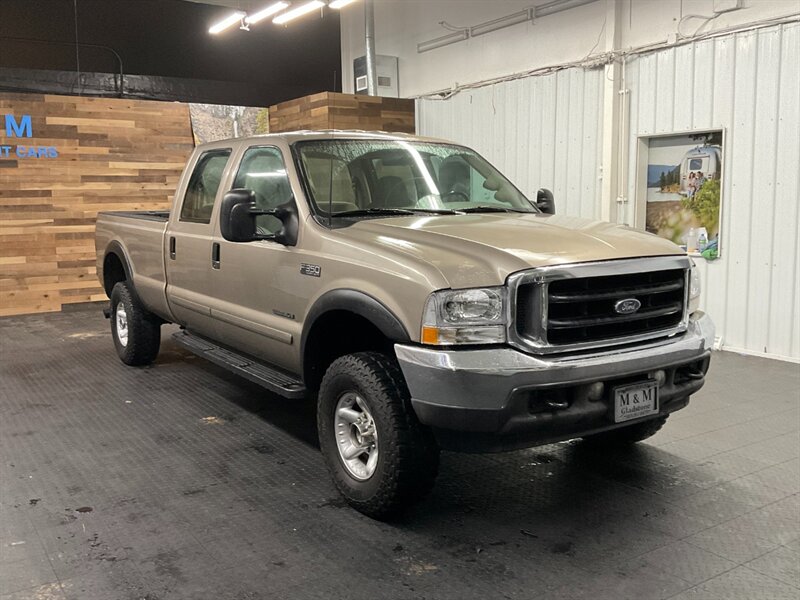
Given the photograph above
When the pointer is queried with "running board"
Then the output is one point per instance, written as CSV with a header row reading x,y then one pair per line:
x,y
273,379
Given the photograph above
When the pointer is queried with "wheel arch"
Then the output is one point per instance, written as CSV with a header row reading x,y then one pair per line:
x,y
116,267
344,321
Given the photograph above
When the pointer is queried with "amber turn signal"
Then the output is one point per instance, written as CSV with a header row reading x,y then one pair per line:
x,y
430,335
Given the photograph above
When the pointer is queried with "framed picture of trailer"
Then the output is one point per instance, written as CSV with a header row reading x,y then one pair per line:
x,y
679,189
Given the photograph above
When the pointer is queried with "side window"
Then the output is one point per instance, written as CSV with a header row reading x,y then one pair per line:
x,y
262,171
198,203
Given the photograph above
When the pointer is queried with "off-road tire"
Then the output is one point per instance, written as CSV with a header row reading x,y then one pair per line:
x,y
627,435
144,328
408,457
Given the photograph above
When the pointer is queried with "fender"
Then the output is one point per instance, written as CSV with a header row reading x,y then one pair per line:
x,y
117,249
359,303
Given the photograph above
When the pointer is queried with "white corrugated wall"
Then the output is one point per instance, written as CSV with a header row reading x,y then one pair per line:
x,y
749,85
547,132
540,131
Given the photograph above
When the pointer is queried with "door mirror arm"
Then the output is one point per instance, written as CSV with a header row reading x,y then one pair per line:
x,y
545,201
238,213
286,213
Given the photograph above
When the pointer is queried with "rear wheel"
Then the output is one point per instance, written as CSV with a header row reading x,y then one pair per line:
x,y
381,458
136,331
627,435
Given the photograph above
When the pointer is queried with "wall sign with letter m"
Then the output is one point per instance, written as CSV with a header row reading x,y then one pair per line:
x,y
18,129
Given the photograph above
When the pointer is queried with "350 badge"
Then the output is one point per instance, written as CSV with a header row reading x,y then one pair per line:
x,y
310,270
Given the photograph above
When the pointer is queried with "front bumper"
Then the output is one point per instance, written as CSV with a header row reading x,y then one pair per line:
x,y
499,398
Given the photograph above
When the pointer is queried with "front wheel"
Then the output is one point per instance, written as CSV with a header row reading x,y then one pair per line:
x,y
381,458
136,331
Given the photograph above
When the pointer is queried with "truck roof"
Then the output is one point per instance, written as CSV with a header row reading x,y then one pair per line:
x,y
291,137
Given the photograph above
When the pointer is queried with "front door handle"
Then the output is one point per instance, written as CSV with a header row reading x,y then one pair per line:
x,y
172,247
215,255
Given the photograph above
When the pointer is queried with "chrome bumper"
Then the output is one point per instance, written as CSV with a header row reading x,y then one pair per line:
x,y
472,390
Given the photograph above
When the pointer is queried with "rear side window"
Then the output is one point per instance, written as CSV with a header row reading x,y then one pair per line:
x,y
198,203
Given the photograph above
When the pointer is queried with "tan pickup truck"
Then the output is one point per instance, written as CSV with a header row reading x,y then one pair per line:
x,y
416,293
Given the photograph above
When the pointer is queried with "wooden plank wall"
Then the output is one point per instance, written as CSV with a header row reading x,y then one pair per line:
x,y
113,154
330,110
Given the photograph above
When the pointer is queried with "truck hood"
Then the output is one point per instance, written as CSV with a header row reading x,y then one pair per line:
x,y
483,249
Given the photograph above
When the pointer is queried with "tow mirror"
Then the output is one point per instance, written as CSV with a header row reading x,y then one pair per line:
x,y
545,201
238,213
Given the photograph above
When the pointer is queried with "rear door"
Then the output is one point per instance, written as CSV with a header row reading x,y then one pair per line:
x,y
189,239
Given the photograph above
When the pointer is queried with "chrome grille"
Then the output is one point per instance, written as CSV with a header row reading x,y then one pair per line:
x,y
581,306
583,310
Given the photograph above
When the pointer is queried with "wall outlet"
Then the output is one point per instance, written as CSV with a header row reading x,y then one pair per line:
x,y
723,6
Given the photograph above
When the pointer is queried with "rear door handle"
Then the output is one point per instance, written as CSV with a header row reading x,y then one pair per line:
x,y
215,255
172,248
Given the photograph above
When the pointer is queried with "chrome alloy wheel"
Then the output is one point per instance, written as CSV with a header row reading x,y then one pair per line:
x,y
356,436
122,324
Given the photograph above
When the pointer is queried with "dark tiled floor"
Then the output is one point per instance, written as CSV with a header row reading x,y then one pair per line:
x,y
180,481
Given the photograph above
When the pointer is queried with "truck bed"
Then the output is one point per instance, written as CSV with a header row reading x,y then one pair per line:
x,y
140,236
148,215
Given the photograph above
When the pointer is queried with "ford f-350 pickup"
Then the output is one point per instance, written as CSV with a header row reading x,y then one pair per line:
x,y
416,293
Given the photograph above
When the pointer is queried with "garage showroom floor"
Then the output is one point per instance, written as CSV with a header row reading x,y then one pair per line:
x,y
181,481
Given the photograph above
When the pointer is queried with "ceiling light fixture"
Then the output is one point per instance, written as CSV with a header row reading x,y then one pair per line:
x,y
340,3
301,10
266,12
445,40
488,27
231,19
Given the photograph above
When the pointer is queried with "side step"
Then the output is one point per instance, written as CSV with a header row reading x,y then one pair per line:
x,y
271,378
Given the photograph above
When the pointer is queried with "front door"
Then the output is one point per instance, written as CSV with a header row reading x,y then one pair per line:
x,y
253,307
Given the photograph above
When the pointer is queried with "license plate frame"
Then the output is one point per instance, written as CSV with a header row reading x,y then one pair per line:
x,y
634,401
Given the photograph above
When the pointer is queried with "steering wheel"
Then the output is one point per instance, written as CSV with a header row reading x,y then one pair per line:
x,y
454,195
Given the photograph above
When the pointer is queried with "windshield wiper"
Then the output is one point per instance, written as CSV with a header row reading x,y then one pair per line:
x,y
436,211
490,209
395,211
365,212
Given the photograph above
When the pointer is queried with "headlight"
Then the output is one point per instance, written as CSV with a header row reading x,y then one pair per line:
x,y
694,289
474,316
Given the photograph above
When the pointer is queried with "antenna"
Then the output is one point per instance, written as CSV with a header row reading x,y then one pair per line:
x,y
333,136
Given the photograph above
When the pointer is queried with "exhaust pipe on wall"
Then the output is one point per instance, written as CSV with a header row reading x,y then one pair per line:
x,y
369,31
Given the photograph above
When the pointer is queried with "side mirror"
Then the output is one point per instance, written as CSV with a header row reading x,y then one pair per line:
x,y
545,201
238,213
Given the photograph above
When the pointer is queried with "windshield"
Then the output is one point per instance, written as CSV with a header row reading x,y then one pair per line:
x,y
360,178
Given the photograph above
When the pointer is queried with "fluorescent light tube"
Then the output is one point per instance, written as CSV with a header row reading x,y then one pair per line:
x,y
489,26
551,8
340,3
450,38
231,19
298,12
266,12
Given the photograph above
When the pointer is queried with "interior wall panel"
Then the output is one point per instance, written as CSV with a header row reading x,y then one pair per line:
x,y
331,110
546,131
113,154
541,131
749,85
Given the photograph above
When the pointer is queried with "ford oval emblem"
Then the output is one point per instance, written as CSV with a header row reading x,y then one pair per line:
x,y
628,306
